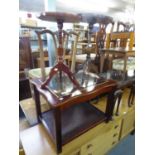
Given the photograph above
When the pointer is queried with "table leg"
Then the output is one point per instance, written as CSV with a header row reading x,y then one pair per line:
x,y
110,106
37,103
57,115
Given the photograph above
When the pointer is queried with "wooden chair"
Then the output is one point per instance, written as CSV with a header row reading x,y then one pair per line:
x,y
25,57
122,27
122,39
101,37
44,71
125,27
100,40
132,28
71,56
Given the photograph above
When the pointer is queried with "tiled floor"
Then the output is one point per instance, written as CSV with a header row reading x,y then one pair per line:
x,y
125,147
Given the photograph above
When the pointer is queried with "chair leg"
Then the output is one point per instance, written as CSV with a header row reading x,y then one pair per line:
x,y
118,96
131,96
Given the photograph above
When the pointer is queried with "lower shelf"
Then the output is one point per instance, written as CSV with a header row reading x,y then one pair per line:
x,y
75,121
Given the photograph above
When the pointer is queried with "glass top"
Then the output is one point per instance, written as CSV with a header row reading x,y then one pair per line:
x,y
62,87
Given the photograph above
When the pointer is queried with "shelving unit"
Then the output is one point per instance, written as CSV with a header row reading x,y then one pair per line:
x,y
29,31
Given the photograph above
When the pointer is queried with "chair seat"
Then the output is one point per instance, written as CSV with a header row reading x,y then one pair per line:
x,y
36,72
118,64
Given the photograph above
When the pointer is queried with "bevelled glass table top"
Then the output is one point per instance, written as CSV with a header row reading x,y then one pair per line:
x,y
61,91
63,87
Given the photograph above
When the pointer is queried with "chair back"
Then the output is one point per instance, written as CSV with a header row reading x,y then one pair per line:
x,y
75,37
40,42
125,27
65,43
101,35
120,39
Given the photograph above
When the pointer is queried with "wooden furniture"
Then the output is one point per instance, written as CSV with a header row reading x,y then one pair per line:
x,y
24,89
90,47
60,66
71,56
101,37
71,37
121,39
88,66
46,61
124,80
29,31
122,27
132,28
25,57
97,141
122,51
25,63
64,101
65,104
125,27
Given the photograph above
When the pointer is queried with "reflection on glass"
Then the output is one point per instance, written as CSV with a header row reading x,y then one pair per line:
x,y
62,86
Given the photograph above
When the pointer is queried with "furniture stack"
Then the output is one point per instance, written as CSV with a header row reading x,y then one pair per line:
x,y
86,113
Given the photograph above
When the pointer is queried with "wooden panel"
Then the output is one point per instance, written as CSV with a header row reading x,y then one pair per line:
x,y
103,142
120,35
25,57
24,89
128,123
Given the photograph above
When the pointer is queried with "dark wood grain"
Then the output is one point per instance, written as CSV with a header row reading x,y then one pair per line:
x,y
37,103
85,93
25,57
59,16
74,121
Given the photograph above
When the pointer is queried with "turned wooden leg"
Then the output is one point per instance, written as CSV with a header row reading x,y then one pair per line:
x,y
131,96
118,95
110,106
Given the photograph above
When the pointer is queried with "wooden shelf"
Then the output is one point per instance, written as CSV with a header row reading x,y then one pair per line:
x,y
71,123
32,27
